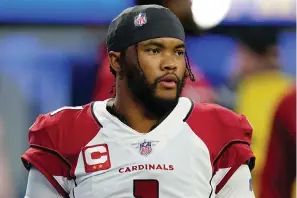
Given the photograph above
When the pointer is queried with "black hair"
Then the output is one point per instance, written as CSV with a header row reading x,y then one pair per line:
x,y
189,70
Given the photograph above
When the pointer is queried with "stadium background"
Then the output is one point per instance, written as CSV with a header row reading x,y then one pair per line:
x,y
52,54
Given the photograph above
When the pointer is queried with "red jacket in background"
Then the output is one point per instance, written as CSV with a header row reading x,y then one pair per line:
x,y
280,170
200,90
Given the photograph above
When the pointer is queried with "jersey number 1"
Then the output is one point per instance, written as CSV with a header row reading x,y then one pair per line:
x,y
147,188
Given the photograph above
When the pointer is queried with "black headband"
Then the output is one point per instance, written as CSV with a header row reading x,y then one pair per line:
x,y
142,23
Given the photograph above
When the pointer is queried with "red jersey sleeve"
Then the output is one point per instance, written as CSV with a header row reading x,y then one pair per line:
x,y
55,142
227,136
236,151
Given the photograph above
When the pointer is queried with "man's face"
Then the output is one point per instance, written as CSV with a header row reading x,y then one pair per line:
x,y
157,81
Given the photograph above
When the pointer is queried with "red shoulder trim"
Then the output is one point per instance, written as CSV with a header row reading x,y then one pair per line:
x,y
56,140
219,127
222,130
33,157
233,156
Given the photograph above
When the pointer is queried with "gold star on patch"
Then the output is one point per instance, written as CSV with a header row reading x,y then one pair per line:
x,y
100,165
94,167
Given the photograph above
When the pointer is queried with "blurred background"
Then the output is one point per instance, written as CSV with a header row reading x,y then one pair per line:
x,y
52,54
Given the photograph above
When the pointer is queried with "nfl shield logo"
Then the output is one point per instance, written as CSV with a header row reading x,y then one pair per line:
x,y
145,148
140,19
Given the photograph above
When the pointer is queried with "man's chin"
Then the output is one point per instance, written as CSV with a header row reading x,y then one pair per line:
x,y
161,105
167,95
166,102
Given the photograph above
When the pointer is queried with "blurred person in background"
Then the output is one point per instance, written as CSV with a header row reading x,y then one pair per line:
x,y
279,171
260,84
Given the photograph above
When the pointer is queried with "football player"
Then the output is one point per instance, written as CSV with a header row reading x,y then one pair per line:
x,y
147,141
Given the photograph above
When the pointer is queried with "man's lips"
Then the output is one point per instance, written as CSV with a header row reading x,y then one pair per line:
x,y
169,81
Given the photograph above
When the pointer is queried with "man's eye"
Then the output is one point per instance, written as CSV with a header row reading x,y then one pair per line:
x,y
153,51
180,53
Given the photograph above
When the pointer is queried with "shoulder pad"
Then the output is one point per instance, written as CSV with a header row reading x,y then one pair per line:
x,y
55,130
56,140
219,127
222,115
234,126
48,128
231,118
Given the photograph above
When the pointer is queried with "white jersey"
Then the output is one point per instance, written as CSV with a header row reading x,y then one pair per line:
x,y
86,152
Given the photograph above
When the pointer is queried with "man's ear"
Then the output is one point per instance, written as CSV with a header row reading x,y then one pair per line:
x,y
114,59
